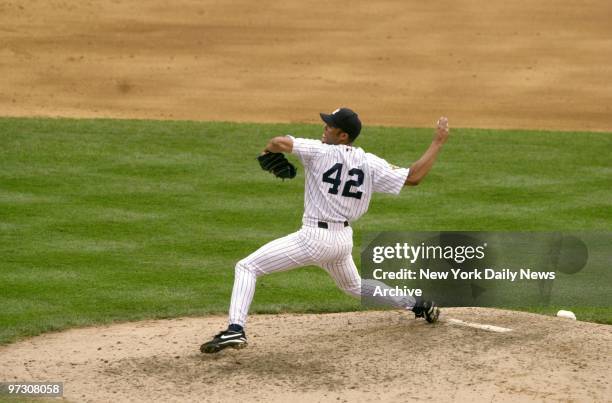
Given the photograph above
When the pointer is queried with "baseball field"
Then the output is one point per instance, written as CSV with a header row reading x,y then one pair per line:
x,y
129,189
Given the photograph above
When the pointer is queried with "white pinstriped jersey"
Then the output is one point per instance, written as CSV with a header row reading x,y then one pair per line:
x,y
340,180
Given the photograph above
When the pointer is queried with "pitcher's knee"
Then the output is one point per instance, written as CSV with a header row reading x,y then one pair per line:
x,y
245,266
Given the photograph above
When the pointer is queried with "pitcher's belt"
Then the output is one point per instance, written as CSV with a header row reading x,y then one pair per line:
x,y
323,224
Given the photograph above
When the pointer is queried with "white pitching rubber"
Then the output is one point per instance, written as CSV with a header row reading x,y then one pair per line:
x,y
489,328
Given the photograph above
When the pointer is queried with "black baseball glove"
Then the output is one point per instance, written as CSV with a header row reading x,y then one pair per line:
x,y
278,165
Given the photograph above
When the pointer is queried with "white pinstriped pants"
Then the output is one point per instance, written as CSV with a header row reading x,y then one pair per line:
x,y
326,248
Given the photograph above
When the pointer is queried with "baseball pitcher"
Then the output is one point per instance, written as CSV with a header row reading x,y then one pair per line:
x,y
340,181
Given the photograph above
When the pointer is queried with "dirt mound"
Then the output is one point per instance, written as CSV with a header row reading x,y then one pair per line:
x,y
363,356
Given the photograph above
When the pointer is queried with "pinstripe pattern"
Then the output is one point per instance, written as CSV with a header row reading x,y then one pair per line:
x,y
317,158
327,248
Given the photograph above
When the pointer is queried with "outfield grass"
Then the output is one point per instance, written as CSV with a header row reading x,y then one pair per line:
x,y
104,220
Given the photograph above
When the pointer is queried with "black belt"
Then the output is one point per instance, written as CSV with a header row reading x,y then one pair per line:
x,y
323,224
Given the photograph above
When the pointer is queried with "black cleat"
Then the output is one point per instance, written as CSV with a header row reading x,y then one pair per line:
x,y
427,310
227,338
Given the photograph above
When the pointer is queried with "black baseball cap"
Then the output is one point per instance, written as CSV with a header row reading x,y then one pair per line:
x,y
344,119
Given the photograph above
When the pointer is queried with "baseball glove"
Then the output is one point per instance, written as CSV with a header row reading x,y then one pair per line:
x,y
278,165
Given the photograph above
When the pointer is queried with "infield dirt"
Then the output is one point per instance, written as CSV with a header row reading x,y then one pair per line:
x,y
485,64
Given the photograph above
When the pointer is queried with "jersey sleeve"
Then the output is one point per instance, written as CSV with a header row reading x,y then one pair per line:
x,y
306,149
386,178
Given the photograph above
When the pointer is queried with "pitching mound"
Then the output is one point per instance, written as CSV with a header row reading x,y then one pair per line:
x,y
360,356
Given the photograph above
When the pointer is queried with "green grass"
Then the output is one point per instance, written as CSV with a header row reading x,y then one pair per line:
x,y
108,220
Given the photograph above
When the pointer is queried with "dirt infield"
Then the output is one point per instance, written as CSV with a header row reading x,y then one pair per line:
x,y
365,356
496,64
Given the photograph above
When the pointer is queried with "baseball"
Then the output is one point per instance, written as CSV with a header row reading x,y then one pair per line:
x,y
566,314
